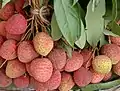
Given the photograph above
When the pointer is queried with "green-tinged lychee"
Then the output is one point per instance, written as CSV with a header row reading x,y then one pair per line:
x,y
112,51
15,68
102,64
43,43
66,82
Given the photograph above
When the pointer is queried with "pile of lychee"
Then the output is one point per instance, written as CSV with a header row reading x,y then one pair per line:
x,y
38,64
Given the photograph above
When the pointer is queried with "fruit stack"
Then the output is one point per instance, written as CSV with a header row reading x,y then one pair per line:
x,y
39,64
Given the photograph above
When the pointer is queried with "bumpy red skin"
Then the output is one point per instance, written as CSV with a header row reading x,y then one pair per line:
x,y
28,68
15,68
43,43
116,68
115,40
7,11
21,82
112,51
54,81
87,57
75,62
12,36
4,80
97,77
16,24
2,28
58,58
41,69
82,77
107,76
38,86
19,6
8,50
66,82
1,40
26,52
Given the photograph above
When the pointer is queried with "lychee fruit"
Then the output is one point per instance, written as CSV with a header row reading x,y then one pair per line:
x,y
87,57
28,68
102,64
82,77
74,63
2,28
67,82
41,69
7,11
58,58
17,24
43,43
38,86
112,51
15,68
115,40
26,52
54,81
5,81
107,76
8,50
96,77
19,5
13,36
116,68
22,81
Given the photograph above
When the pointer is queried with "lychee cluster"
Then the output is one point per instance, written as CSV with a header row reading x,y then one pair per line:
x,y
37,63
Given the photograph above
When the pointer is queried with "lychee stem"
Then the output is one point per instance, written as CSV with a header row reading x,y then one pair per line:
x,y
3,64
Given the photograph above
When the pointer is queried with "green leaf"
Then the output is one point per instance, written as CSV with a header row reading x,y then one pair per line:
x,y
4,2
116,10
103,41
68,19
82,15
99,86
74,2
115,28
82,40
95,4
107,32
108,11
95,23
55,33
